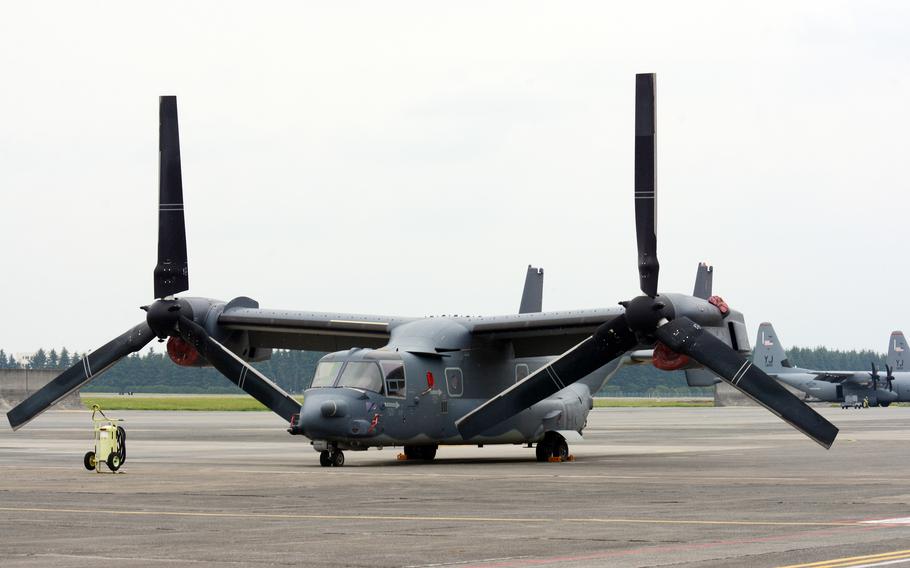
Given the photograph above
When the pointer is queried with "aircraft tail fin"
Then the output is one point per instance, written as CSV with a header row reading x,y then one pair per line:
x,y
704,281
769,354
532,297
898,352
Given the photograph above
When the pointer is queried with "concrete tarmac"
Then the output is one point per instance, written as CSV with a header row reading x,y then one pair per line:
x,y
649,487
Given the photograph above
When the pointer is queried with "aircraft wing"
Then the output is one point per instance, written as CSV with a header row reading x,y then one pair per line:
x,y
543,333
835,377
310,331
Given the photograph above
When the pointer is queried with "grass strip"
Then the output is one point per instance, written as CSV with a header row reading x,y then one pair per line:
x,y
200,403
650,403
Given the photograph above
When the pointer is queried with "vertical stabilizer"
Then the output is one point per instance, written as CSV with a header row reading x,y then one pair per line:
x,y
704,281
769,354
532,297
897,352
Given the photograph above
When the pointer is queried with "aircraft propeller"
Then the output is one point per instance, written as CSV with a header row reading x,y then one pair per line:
x,y
648,320
889,377
874,376
166,316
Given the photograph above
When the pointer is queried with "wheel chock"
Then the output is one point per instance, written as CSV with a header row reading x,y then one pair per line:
x,y
556,459
402,457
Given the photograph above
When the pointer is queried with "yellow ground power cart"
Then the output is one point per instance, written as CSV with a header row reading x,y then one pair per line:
x,y
110,443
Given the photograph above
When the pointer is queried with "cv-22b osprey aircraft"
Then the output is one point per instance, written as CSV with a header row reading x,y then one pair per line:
x,y
852,389
423,382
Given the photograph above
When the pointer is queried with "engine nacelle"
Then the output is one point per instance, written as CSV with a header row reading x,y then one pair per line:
x,y
715,316
205,312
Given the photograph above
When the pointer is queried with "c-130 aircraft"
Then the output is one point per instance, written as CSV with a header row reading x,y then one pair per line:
x,y
852,389
423,382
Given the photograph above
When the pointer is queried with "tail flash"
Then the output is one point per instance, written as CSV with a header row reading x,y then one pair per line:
x,y
704,280
769,354
532,297
898,352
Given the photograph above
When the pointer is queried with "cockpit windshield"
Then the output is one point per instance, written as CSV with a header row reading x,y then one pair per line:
x,y
326,372
361,375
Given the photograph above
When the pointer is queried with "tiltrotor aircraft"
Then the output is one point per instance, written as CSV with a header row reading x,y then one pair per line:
x,y
524,378
849,388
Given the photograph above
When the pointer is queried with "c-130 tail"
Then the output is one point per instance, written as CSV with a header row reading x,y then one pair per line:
x,y
769,354
897,352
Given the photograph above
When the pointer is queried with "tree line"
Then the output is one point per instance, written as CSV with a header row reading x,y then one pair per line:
x,y
154,372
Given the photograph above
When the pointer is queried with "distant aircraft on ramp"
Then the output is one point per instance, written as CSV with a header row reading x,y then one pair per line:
x,y
852,389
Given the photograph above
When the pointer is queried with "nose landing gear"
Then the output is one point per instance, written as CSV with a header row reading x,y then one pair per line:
x,y
331,458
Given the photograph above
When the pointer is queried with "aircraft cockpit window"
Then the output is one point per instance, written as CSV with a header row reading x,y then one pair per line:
x,y
361,375
326,372
394,378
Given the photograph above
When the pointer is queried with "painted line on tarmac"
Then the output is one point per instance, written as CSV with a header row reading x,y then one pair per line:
x,y
425,518
882,559
896,521
424,474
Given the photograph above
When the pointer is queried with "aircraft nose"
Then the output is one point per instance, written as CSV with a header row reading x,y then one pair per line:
x,y
335,413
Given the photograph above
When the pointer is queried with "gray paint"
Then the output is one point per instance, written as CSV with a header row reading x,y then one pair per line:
x,y
532,296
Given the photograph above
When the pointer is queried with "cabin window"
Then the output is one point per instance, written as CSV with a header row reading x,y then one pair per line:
x,y
394,378
521,371
454,381
326,373
361,375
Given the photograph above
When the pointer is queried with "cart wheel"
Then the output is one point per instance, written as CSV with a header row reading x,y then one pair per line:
x,y
121,435
89,461
113,461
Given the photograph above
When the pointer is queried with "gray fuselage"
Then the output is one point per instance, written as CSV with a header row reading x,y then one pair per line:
x,y
411,392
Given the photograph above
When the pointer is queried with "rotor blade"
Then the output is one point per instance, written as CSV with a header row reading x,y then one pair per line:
x,y
239,371
645,188
609,341
685,336
704,281
79,374
172,271
532,295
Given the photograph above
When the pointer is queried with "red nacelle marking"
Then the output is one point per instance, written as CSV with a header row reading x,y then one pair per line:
x,y
183,353
666,359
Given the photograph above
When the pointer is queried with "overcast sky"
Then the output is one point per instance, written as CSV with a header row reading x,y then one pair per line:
x,y
413,158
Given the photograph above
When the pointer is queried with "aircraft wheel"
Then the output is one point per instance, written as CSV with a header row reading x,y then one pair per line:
x,y
884,404
325,458
427,453
543,452
337,458
89,461
561,450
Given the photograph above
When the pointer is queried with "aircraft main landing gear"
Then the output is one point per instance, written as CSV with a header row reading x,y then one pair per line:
x,y
334,458
425,453
553,447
